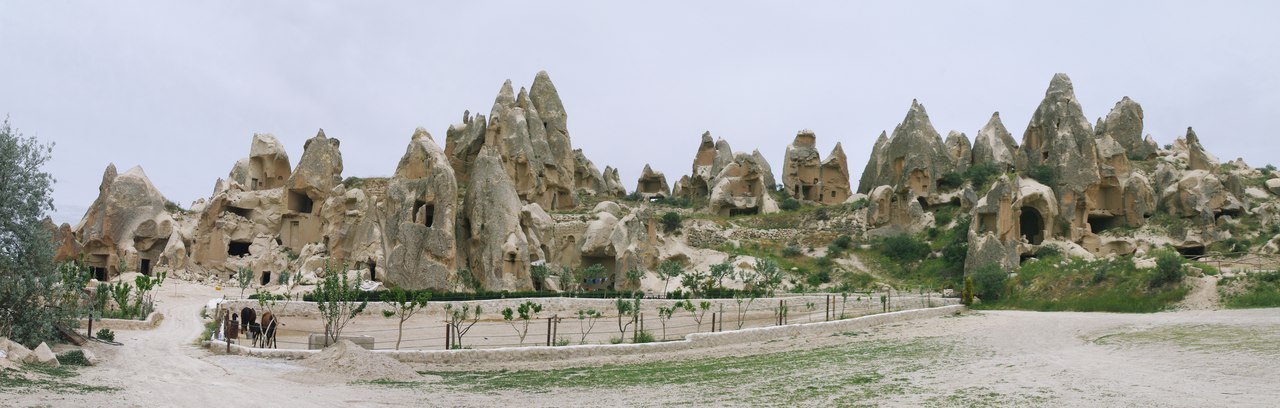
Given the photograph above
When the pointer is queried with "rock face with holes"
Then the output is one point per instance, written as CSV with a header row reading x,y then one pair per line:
x,y
740,188
807,177
1124,125
613,183
490,236
127,225
420,209
652,184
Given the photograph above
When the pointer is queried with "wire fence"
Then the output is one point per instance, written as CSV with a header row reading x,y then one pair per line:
x,y
430,331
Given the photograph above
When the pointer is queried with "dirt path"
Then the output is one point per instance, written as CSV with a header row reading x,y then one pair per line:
x,y
1204,294
1185,358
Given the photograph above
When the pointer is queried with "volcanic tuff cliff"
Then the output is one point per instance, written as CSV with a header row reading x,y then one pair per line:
x,y
508,195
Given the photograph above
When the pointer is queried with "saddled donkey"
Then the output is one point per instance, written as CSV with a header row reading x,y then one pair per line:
x,y
267,338
248,321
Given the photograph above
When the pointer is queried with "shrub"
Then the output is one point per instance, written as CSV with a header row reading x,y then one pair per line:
x,y
989,282
1168,268
671,221
643,336
1044,174
950,181
1046,251
981,173
904,248
789,204
106,334
791,251
73,357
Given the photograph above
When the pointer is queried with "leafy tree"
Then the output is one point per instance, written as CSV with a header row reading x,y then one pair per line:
x,y
35,296
538,273
668,270
587,322
336,298
120,293
697,281
525,312
966,295
665,313
590,272
950,181
567,281
404,304
461,319
742,311
769,275
699,312
244,278
626,307
720,271
143,303
634,275
1044,174
981,173
671,221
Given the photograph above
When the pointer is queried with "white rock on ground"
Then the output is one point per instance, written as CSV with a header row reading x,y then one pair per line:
x,y
44,356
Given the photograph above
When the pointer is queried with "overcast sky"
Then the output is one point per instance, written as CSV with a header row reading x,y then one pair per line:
x,y
179,89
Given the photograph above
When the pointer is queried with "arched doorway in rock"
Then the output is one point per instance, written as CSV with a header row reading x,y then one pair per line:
x,y
1031,223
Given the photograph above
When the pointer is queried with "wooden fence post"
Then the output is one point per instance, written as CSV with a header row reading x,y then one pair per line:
x,y
549,330
713,322
448,336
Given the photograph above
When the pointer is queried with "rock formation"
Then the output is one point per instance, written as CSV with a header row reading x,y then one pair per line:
x,y
995,145
652,184
127,225
420,209
1124,125
613,183
807,177
492,240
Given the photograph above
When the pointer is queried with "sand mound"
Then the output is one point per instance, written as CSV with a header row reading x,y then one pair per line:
x,y
350,360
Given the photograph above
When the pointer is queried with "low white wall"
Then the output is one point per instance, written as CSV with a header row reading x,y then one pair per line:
x,y
151,322
692,341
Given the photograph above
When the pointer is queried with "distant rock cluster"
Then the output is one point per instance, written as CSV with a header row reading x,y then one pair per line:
x,y
508,195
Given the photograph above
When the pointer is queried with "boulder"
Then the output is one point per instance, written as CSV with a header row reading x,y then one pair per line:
x,y
44,356
1124,125
16,353
1197,158
1273,185
987,249
769,182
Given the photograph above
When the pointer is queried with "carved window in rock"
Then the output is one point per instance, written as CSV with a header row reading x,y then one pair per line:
x,y
424,213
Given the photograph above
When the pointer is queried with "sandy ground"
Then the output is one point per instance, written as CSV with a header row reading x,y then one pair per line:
x,y
1184,358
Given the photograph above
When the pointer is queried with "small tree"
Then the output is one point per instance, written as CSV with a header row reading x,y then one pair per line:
x,y
404,305
808,307
567,281
120,294
144,304
989,282
465,280
587,322
720,271
769,275
626,307
966,295
539,273
668,270
742,311
461,320
244,278
590,272
696,281
634,275
665,313
844,301
336,298
525,312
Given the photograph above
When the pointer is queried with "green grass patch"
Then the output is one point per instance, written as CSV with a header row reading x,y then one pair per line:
x,y
1203,337
43,378
854,372
1105,285
1255,290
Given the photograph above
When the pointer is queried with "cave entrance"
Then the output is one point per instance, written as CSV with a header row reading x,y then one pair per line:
x,y
424,213
373,271
266,278
243,212
924,204
1099,223
145,267
237,248
743,211
1032,225
1191,252
300,202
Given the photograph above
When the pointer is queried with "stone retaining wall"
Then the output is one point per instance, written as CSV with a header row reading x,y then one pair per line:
x,y
151,322
692,341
